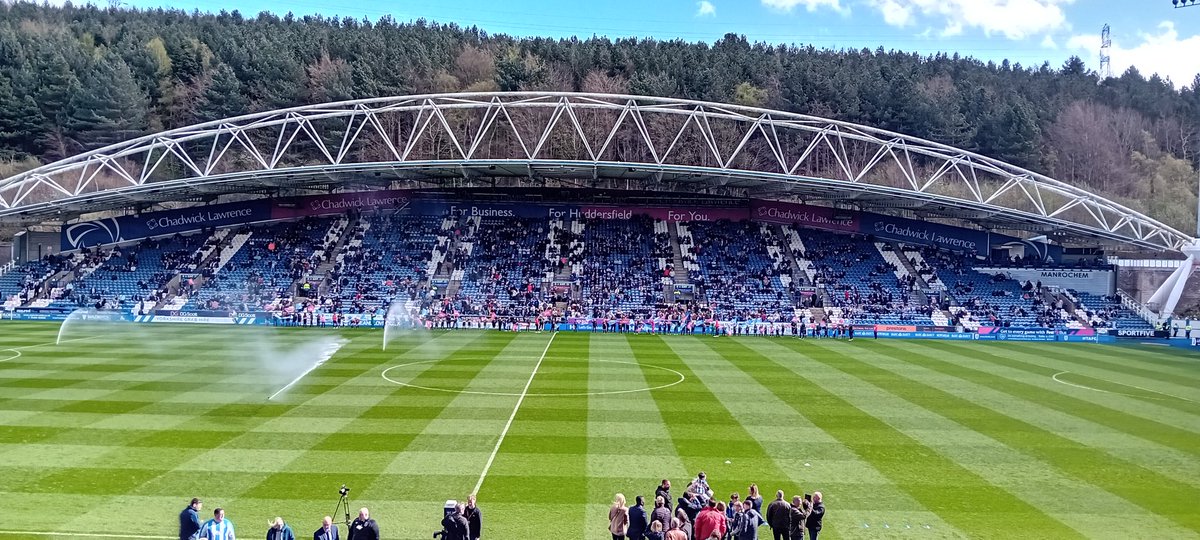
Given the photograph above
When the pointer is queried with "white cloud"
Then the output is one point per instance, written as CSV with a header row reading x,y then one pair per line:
x,y
1049,43
895,13
704,8
809,5
1164,53
1014,19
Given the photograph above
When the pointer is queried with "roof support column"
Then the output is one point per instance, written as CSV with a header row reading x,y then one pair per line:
x,y
1166,298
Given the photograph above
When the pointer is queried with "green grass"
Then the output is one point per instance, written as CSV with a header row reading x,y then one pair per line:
x,y
113,431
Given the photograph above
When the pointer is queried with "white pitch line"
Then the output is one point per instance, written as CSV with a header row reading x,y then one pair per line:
x,y
48,343
1057,380
18,349
84,535
336,347
508,424
542,394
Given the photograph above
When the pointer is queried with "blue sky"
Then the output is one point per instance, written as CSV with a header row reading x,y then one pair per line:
x,y
1148,34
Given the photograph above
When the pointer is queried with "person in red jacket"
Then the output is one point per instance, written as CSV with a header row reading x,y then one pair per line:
x,y
710,520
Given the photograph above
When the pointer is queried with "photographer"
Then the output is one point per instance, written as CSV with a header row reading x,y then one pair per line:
x,y
363,527
454,525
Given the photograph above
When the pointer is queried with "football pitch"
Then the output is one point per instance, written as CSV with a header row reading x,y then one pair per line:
x,y
112,431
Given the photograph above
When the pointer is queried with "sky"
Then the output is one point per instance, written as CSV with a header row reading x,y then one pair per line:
x,y
1150,35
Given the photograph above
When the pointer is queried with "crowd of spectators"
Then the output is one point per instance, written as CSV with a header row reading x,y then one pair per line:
x,y
501,270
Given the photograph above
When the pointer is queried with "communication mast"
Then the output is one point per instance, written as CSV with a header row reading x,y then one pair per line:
x,y
1105,59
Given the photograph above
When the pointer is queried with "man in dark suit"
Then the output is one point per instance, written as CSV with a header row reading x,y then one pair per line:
x,y
328,530
638,521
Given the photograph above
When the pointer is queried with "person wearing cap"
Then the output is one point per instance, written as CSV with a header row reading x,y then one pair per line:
x,y
189,521
279,530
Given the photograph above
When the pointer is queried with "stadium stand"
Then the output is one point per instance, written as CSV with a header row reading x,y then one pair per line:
x,y
623,271
387,257
263,269
736,273
451,267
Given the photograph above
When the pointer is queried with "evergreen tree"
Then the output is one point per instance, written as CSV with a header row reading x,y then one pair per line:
x,y
109,107
21,123
222,98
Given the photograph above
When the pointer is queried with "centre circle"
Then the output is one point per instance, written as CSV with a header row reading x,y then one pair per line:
x,y
539,394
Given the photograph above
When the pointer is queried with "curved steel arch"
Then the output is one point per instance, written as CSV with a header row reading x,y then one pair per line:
x,y
531,138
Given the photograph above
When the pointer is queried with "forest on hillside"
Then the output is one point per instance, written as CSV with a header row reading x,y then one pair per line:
x,y
77,78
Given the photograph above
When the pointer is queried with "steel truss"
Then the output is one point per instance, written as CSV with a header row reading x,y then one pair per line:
x,y
573,139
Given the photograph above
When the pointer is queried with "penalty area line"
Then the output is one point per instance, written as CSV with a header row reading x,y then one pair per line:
x,y
82,535
508,424
1057,380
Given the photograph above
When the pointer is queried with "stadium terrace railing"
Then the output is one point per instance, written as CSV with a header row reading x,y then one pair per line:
x,y
1145,263
6,268
1137,307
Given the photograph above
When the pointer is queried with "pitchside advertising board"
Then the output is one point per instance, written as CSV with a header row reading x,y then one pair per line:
x,y
128,228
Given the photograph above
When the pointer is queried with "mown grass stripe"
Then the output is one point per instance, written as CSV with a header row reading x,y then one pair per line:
x,y
613,422
291,484
1097,358
678,406
1168,435
1151,491
535,456
1043,371
972,505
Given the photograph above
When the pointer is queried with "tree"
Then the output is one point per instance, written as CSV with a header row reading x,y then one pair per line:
x,y
222,97
21,123
515,71
330,80
749,95
109,107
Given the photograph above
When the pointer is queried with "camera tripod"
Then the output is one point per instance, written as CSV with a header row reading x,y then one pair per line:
x,y
344,505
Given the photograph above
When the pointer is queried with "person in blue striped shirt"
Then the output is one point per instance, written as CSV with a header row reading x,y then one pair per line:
x,y
217,528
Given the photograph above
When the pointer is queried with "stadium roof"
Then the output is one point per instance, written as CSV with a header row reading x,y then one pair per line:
x,y
528,139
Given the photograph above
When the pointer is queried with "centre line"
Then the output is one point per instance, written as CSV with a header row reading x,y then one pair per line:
x,y
507,425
